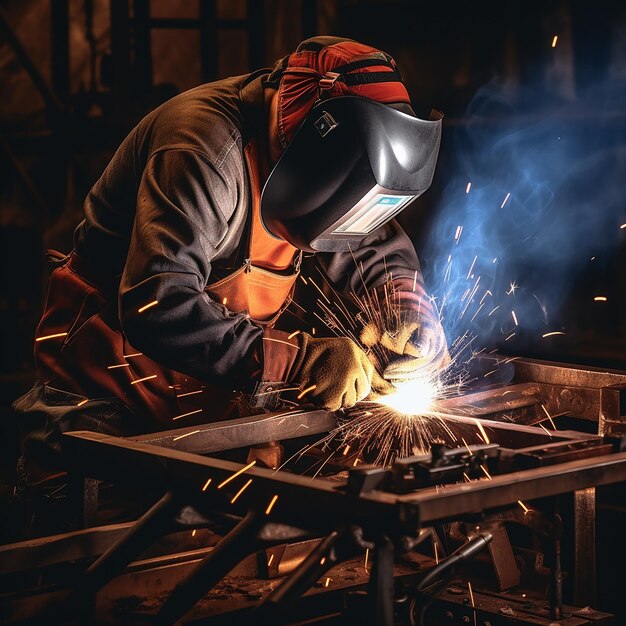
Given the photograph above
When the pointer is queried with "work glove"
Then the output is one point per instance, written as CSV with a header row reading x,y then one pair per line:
x,y
415,348
340,371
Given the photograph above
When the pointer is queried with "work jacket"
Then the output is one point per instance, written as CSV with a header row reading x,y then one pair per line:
x,y
169,218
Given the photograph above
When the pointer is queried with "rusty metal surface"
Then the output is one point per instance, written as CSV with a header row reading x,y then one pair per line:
x,y
504,564
585,547
305,501
563,374
453,501
453,606
52,550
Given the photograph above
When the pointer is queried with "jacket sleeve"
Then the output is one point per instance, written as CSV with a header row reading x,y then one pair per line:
x,y
387,252
182,204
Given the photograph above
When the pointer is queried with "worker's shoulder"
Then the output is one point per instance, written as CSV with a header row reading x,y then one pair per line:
x,y
207,119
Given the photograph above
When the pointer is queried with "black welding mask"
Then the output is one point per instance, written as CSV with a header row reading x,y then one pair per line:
x,y
353,165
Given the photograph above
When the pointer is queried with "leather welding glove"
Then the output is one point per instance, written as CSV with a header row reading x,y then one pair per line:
x,y
340,371
416,348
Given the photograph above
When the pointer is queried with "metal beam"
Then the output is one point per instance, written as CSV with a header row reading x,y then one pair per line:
x,y
244,431
305,503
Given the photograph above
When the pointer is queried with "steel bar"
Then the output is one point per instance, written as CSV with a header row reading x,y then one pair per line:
x,y
52,550
453,501
585,547
498,400
380,593
149,527
318,561
563,375
233,548
244,431
304,503
300,501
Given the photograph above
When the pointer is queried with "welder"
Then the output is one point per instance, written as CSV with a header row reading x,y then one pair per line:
x,y
165,312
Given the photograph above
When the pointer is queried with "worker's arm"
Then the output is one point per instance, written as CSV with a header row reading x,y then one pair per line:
x,y
389,253
183,204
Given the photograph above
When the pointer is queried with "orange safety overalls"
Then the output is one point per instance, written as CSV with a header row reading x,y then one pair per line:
x,y
92,357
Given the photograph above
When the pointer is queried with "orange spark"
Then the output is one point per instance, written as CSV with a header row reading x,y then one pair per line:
x,y
269,562
487,474
140,380
305,391
130,356
469,586
270,506
482,430
45,337
193,432
281,341
145,307
346,450
245,468
600,299
112,367
367,556
554,40
544,429
552,334
241,491
327,582
189,393
83,402
549,416
206,484
186,414
524,507
193,532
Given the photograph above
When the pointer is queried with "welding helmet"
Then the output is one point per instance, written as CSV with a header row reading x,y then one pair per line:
x,y
354,153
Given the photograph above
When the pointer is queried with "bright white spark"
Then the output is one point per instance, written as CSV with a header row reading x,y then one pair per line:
x,y
414,397
513,287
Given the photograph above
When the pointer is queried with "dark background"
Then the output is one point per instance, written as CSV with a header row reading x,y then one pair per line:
x,y
76,75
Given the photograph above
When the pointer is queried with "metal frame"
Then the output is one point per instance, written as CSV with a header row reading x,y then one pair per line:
x,y
302,508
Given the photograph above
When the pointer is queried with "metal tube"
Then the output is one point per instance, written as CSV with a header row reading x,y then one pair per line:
x,y
307,573
144,532
232,549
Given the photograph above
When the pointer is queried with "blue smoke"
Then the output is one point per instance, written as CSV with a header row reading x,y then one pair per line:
x,y
548,193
